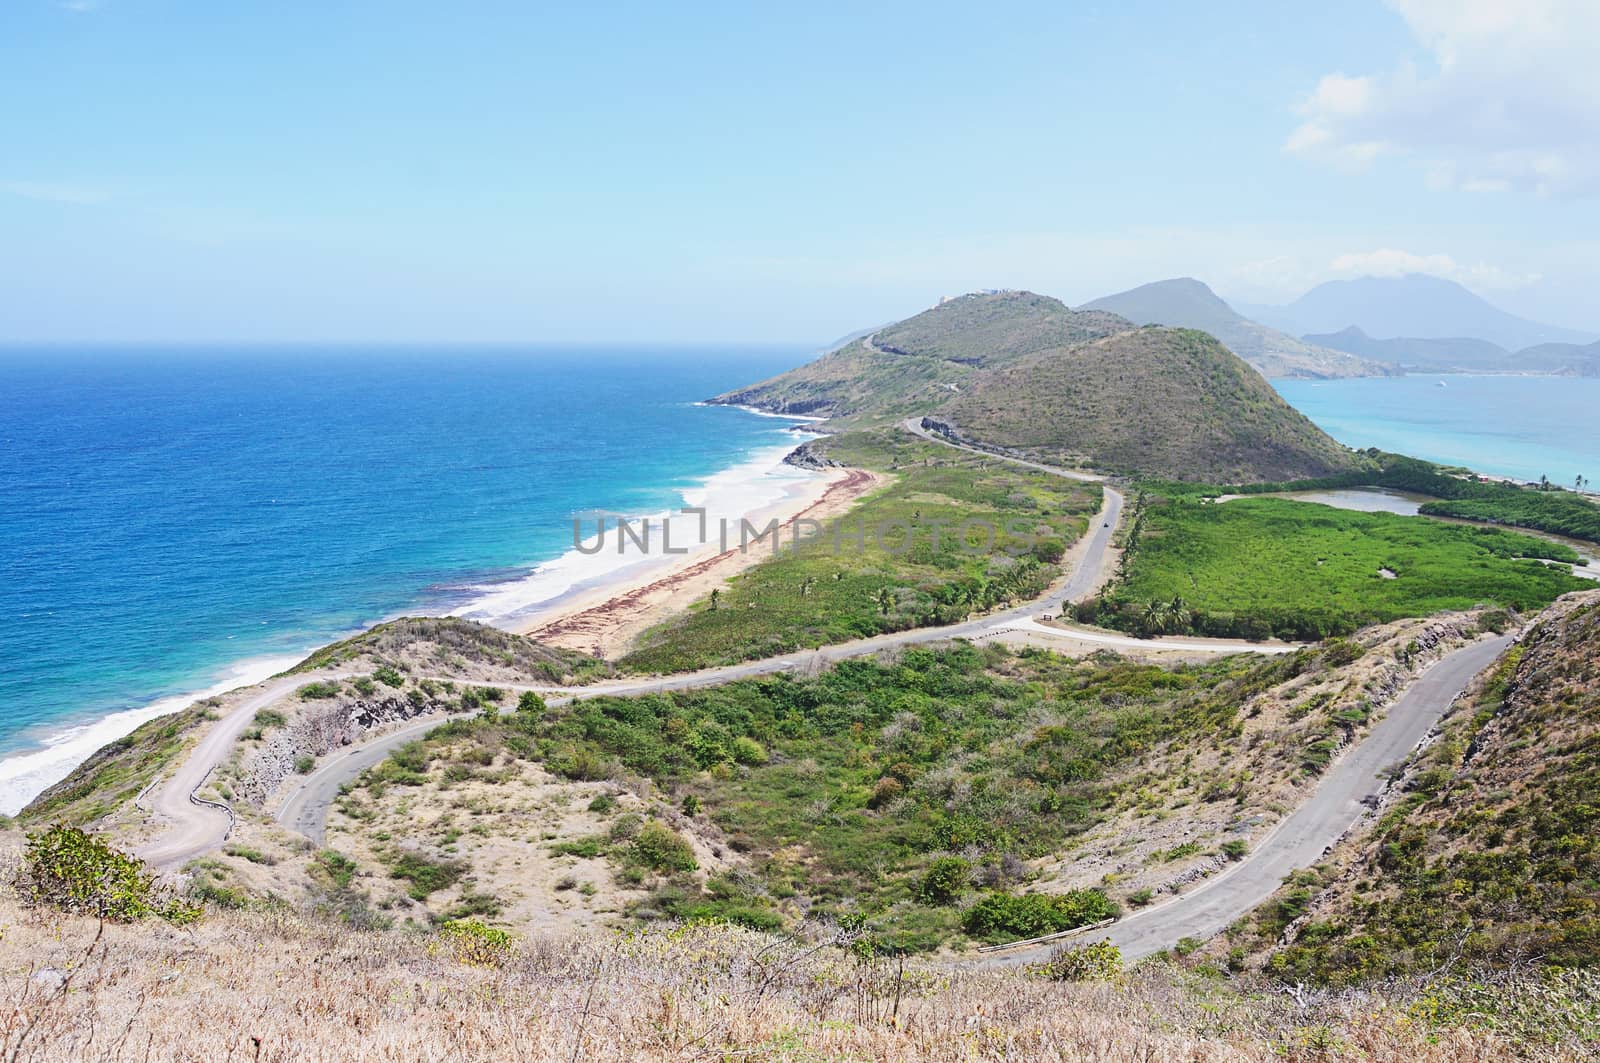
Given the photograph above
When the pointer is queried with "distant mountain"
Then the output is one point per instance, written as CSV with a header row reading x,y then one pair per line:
x,y
1023,372
1415,305
1453,354
1568,359
1187,303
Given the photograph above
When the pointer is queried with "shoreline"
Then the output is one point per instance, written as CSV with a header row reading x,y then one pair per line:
x,y
758,485
604,620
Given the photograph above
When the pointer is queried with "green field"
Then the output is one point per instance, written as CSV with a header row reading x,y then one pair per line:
x,y
1459,493
836,588
1259,567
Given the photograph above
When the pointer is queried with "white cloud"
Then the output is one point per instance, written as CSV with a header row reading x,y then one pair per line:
x,y
1391,262
1507,96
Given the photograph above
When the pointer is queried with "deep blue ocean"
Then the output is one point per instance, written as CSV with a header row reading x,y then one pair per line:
x,y
172,519
178,521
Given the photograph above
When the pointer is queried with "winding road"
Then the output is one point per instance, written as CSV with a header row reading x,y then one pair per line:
x,y
1298,841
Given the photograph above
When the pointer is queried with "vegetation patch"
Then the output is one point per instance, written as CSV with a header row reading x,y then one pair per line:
x,y
67,869
1263,567
919,572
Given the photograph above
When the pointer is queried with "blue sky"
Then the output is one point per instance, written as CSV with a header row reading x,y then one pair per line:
x,y
497,170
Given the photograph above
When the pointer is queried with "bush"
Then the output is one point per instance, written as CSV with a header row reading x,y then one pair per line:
x,y
475,943
1004,916
303,764
529,703
1099,961
660,848
944,880
749,751
425,875
602,804
887,789
1236,849
68,869
329,689
388,676
270,718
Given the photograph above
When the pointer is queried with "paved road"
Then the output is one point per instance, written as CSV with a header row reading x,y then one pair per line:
x,y
1106,638
198,828
1305,836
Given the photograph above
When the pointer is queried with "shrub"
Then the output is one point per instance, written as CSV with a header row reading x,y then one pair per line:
x,y
364,686
329,689
1049,551
475,943
1004,916
66,868
426,876
887,789
602,804
339,869
944,880
1098,961
270,718
1141,897
588,848
388,676
529,703
748,751
660,848
304,764
1235,849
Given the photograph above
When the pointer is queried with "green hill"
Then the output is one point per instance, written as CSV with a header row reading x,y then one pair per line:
x,y
914,365
1023,372
1157,401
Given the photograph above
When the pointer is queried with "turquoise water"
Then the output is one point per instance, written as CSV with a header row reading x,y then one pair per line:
x,y
1523,427
177,520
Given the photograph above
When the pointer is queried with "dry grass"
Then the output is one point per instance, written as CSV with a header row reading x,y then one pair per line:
x,y
273,986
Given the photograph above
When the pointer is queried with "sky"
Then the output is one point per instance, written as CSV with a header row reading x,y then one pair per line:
x,y
507,170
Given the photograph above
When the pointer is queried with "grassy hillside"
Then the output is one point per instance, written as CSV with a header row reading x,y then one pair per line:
x,y
858,583
914,365
1156,401
921,796
1255,567
1489,855
1021,371
1187,303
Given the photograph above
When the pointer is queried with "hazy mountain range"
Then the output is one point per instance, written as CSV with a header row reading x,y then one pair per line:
x,y
1373,326
1188,303
1414,306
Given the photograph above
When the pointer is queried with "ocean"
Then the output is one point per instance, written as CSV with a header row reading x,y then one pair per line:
x,y
177,522
1523,427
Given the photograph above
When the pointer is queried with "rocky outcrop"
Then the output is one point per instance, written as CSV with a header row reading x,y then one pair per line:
x,y
810,456
317,731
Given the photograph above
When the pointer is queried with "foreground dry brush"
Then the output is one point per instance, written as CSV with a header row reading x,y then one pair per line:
x,y
271,985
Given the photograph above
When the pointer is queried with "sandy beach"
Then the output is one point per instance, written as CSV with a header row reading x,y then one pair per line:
x,y
606,619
